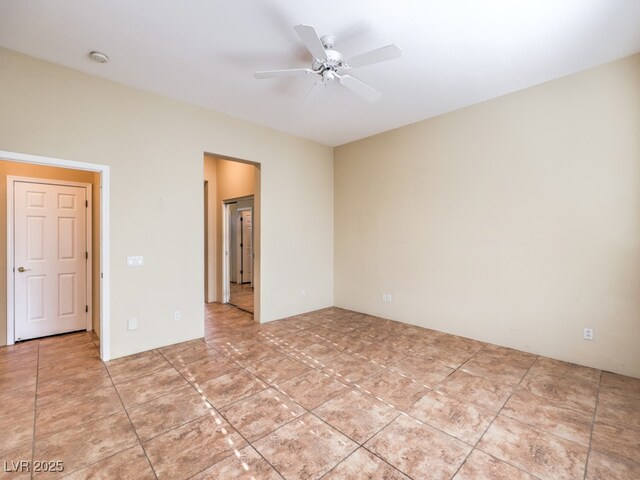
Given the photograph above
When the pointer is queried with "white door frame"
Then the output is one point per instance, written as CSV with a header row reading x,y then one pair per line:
x,y
226,274
11,179
105,303
244,209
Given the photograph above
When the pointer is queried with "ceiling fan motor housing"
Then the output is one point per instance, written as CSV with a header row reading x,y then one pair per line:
x,y
332,62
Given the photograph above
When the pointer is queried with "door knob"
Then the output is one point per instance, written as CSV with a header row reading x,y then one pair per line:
x,y
22,269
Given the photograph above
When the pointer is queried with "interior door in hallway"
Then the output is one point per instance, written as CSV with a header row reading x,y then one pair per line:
x,y
50,259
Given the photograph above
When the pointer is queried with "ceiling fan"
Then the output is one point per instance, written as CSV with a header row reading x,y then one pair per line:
x,y
330,65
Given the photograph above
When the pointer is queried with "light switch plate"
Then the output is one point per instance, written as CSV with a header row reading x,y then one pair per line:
x,y
132,324
136,261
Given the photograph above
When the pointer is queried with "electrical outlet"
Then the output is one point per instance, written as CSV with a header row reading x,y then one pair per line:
x,y
132,323
177,315
303,294
588,333
389,298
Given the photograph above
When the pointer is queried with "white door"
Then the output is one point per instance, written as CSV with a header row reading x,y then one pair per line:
x,y
247,245
50,259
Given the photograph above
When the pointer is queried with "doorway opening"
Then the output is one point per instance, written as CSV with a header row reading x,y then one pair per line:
x,y
56,242
232,233
238,256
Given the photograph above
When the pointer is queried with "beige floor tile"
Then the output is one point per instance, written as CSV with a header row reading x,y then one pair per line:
x,y
463,420
82,446
570,423
76,383
184,451
184,353
13,378
418,450
384,354
200,371
487,366
277,369
18,400
17,429
16,462
311,389
318,354
482,391
427,371
135,366
231,387
154,385
362,465
20,359
616,440
356,414
400,391
628,386
508,356
305,449
616,408
68,414
250,354
167,412
129,464
249,464
557,368
602,467
539,453
479,465
55,371
350,369
262,413
580,395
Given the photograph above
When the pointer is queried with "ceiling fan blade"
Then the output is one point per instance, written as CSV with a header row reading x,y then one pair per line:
x,y
356,86
381,54
293,72
311,40
313,94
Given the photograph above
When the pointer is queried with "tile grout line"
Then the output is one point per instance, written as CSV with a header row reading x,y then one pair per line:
x,y
593,426
225,419
131,424
492,422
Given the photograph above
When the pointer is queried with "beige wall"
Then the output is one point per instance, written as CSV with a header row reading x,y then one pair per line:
x,y
227,180
515,221
51,173
154,147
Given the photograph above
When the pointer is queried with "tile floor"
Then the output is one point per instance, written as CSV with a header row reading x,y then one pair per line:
x,y
332,394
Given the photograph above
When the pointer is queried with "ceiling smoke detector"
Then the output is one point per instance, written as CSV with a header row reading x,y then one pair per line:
x,y
98,57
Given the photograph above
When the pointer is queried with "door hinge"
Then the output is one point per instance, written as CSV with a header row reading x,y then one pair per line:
x,y
86,308
86,203
86,255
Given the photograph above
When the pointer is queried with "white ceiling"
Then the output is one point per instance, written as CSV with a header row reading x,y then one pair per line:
x,y
455,52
